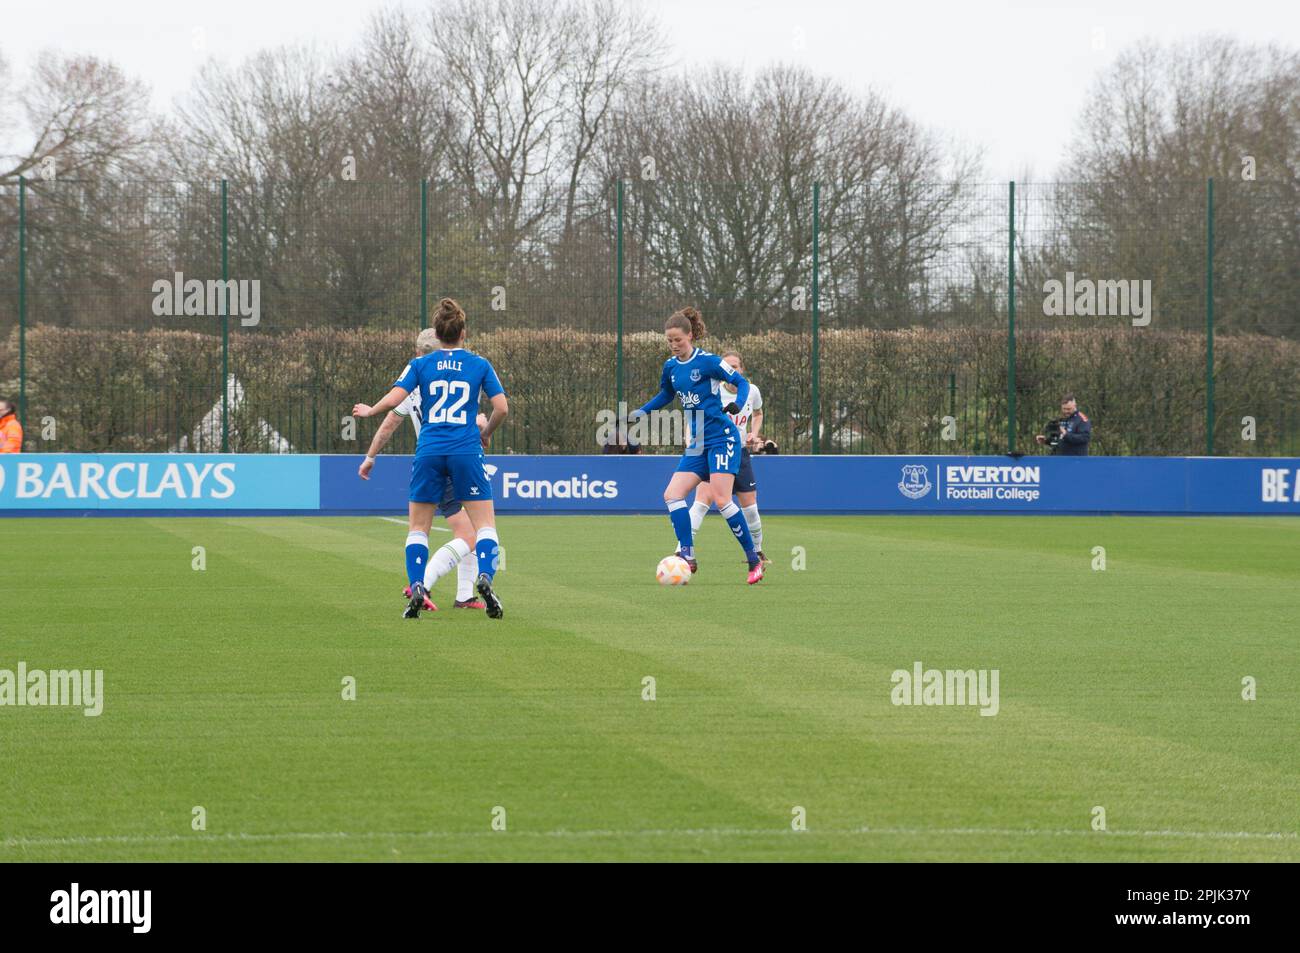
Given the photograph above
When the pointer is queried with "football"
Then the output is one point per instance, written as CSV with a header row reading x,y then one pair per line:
x,y
673,571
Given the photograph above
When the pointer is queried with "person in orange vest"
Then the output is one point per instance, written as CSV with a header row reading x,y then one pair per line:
x,y
11,431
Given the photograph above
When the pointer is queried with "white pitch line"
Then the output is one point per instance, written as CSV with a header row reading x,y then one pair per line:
x,y
394,519
702,832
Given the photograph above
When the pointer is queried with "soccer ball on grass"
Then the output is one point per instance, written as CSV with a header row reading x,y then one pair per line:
x,y
673,571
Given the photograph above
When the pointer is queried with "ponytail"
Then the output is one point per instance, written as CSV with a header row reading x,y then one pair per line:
x,y
687,319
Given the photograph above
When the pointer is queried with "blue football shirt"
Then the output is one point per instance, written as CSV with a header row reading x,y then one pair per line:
x,y
449,382
695,382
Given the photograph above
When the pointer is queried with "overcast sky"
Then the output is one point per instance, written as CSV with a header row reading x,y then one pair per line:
x,y
1008,76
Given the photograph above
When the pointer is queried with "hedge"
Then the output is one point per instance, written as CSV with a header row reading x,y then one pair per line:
x,y
881,391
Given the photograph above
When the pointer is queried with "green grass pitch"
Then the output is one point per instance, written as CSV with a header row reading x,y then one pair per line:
x,y
1119,689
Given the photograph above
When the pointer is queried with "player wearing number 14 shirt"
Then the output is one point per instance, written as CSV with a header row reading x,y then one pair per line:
x,y
694,377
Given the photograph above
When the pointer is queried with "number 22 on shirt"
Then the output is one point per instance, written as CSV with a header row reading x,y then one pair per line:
x,y
440,392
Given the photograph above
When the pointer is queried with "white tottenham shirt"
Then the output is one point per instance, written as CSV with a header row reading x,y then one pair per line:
x,y
410,408
755,402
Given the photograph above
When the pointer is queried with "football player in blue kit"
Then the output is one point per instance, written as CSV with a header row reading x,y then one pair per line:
x,y
448,508
713,445
450,381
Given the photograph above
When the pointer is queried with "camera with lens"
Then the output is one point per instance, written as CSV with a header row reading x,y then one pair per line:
x,y
1054,431
768,446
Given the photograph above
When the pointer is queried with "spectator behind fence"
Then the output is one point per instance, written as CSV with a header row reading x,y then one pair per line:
x,y
1069,435
11,431
621,442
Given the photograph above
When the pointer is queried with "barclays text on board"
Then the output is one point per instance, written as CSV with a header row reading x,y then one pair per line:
x,y
219,483
127,480
200,482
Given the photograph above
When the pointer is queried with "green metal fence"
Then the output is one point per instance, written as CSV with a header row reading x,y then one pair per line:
x,y
889,317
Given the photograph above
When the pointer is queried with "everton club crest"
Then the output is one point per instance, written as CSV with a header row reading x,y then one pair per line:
x,y
915,483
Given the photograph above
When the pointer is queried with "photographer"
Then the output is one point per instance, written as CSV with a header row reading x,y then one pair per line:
x,y
1069,436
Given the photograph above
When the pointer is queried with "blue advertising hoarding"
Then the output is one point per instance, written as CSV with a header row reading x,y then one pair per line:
x,y
232,484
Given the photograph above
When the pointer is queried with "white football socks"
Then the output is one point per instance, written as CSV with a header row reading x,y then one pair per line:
x,y
755,524
698,512
448,556
701,510
466,573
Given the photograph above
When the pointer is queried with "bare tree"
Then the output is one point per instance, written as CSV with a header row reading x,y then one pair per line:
x,y
504,62
1156,126
85,115
728,221
611,48
7,119
277,116
400,122
274,127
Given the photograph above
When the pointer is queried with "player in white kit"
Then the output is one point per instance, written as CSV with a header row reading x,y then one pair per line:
x,y
750,423
449,508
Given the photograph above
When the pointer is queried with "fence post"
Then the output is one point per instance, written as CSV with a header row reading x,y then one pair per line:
x,y
618,294
22,303
225,324
816,321
1011,318
1209,318
424,254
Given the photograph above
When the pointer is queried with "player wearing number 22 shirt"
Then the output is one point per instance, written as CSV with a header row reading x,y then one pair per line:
x,y
450,449
449,381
